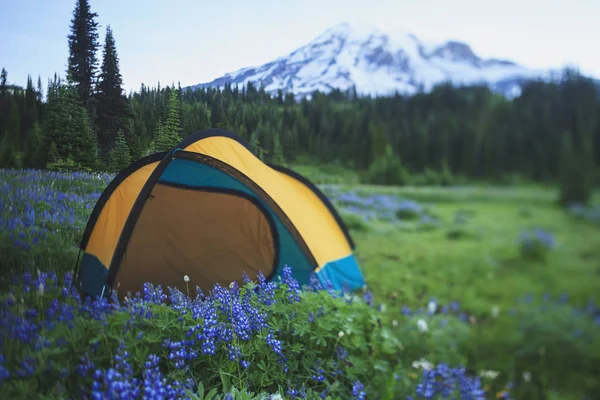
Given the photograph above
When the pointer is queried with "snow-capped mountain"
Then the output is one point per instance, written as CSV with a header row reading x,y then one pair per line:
x,y
378,64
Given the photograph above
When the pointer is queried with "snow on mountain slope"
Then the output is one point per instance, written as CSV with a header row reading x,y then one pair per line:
x,y
377,64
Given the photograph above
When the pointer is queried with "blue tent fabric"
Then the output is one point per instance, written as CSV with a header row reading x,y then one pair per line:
x,y
342,274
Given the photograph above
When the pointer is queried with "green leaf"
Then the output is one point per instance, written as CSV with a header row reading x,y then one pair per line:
x,y
226,382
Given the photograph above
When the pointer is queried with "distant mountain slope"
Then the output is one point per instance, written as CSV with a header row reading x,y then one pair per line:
x,y
378,64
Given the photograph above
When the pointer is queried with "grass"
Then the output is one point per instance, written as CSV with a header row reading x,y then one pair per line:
x,y
462,252
486,268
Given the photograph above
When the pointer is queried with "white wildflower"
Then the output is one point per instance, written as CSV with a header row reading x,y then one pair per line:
x,y
341,334
186,278
432,307
526,376
276,396
422,325
395,323
232,285
489,374
422,364
495,311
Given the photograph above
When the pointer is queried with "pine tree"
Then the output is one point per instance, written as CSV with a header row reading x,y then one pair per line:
x,y
40,92
173,124
3,78
30,112
3,100
34,147
577,171
67,126
255,145
113,110
278,157
120,156
85,152
163,141
53,155
83,45
12,140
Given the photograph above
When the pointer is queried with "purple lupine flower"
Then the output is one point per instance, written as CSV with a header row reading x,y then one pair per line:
x,y
357,390
292,284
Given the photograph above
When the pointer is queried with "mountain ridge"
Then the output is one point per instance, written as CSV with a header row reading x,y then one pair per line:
x,y
376,63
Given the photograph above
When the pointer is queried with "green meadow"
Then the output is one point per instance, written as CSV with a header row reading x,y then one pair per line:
x,y
519,312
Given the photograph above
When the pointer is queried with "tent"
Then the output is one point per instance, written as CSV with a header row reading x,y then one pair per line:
x,y
209,209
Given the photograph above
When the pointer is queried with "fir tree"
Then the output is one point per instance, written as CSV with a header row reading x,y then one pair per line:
x,y
120,156
30,112
113,111
53,155
172,126
35,147
163,141
577,171
3,78
3,100
66,124
254,145
278,157
83,45
39,89
85,151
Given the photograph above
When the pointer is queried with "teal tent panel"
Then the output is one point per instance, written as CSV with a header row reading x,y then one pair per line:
x,y
92,275
343,274
194,174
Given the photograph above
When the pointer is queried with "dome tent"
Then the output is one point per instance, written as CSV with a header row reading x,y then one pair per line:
x,y
212,210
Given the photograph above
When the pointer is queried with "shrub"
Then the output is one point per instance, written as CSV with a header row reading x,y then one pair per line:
x,y
355,222
525,212
409,210
460,231
428,223
387,170
431,177
460,228
445,177
584,213
536,244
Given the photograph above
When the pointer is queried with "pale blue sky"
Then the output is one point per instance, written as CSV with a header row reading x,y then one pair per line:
x,y
197,41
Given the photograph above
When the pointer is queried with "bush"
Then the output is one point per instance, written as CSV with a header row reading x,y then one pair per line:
x,y
525,212
355,222
460,228
428,223
584,213
431,177
445,177
387,170
460,231
409,210
536,244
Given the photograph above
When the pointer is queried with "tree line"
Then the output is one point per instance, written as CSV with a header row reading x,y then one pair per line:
x,y
88,122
